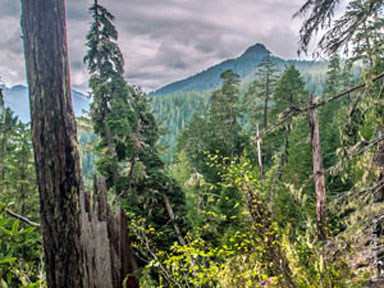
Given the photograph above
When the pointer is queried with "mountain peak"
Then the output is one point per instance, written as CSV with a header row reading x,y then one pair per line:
x,y
210,78
258,48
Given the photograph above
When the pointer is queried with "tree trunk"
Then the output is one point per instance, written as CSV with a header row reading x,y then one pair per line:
x,y
321,198
83,247
109,258
266,100
54,139
259,151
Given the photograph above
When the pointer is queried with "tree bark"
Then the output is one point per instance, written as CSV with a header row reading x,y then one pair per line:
x,y
321,197
83,246
109,258
54,139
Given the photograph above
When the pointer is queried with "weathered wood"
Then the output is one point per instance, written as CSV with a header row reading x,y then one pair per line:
x,y
54,139
259,152
109,258
321,197
378,246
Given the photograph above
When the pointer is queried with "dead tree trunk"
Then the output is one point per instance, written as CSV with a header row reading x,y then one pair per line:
x,y
259,151
109,259
82,247
321,197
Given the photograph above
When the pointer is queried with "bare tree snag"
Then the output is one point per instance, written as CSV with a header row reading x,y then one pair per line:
x,y
109,259
259,152
321,197
172,217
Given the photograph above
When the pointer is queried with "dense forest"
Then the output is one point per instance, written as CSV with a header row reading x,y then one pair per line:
x,y
240,176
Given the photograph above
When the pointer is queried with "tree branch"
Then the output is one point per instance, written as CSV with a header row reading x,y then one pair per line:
x,y
21,218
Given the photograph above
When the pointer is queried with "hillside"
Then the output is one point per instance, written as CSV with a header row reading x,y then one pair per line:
x,y
175,104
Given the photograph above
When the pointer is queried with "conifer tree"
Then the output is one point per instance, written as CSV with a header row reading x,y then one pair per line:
x,y
111,110
258,101
8,126
224,115
333,81
128,153
289,94
260,94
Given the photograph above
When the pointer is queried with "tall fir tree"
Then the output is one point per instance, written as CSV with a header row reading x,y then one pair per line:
x,y
258,101
111,110
260,94
128,153
224,114
289,94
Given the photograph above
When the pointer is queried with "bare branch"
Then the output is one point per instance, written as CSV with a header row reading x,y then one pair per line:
x,y
21,218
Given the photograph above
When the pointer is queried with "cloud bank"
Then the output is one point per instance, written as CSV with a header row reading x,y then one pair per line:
x,y
163,40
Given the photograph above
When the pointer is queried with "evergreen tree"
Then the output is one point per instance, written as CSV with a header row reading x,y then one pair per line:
x,y
128,153
333,82
290,90
8,126
258,101
111,110
224,114
289,94
260,94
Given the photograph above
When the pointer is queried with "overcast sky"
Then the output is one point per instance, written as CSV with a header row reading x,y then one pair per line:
x,y
164,40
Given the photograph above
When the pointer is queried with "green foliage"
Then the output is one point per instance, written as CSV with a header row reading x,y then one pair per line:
x,y
20,245
258,99
212,219
19,266
126,147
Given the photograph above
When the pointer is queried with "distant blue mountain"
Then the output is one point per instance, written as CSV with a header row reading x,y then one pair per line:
x,y
17,99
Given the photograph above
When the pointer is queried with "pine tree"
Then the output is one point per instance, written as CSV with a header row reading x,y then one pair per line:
x,y
290,92
258,101
8,126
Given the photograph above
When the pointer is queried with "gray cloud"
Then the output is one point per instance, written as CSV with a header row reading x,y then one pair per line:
x,y
164,40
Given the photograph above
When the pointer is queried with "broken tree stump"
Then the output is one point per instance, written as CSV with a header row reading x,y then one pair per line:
x,y
109,260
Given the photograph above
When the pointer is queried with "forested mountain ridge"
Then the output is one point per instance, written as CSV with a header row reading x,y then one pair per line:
x,y
176,103
244,65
